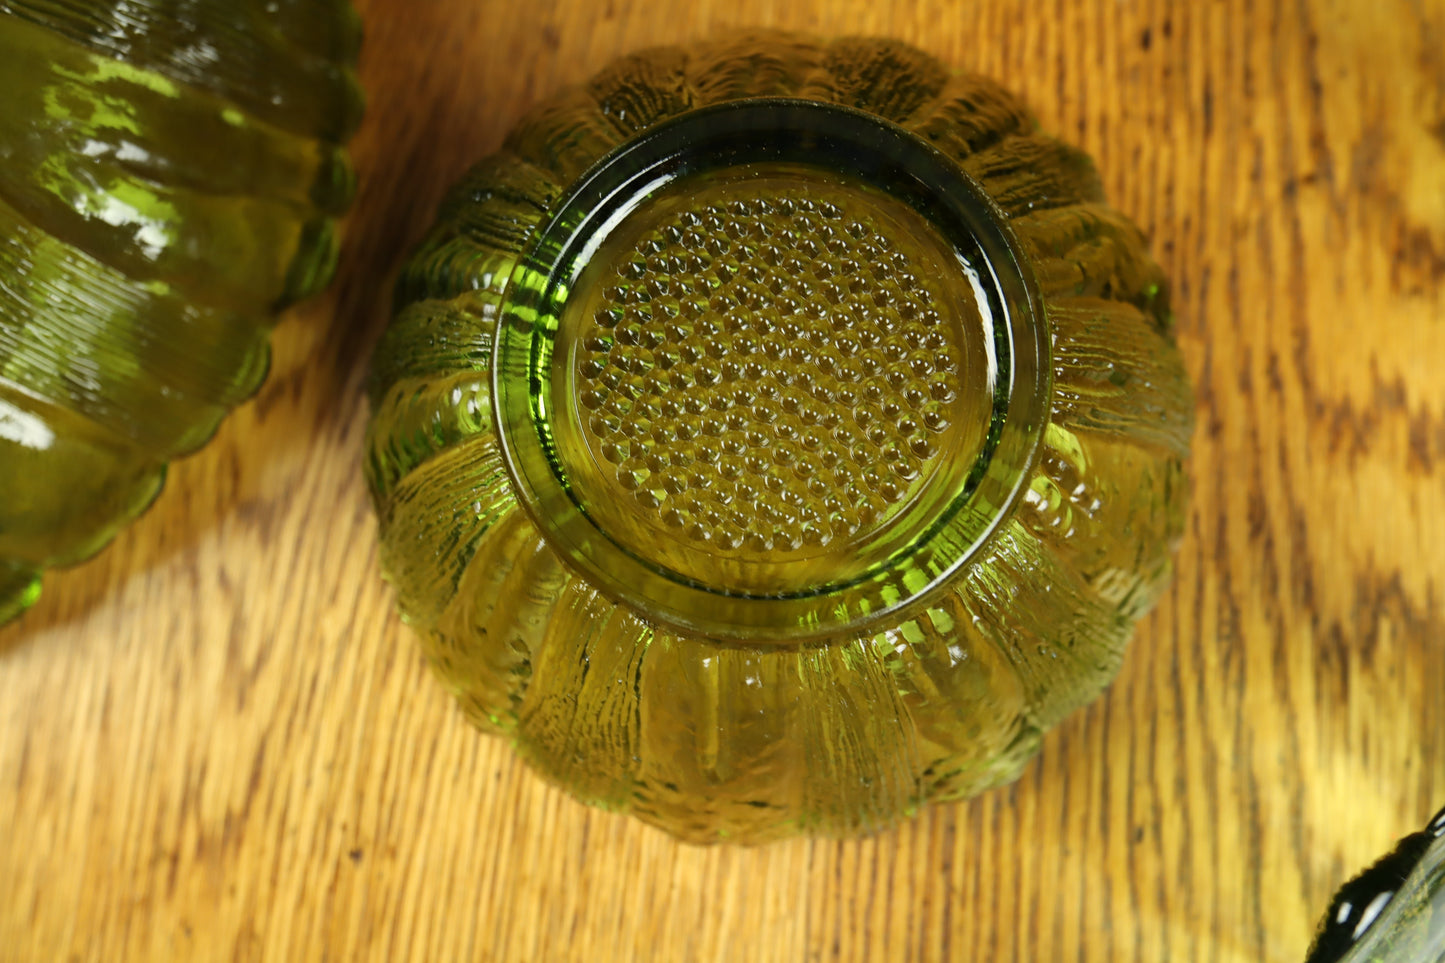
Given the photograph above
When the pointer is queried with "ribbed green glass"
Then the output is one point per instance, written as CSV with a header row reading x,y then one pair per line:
x,y
777,435
170,173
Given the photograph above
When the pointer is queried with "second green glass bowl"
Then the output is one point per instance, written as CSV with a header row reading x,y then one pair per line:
x,y
170,179
777,435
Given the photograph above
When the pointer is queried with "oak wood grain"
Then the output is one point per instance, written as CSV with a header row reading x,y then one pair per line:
x,y
217,742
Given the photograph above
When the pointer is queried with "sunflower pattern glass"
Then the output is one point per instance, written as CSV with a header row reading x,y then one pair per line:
x,y
777,435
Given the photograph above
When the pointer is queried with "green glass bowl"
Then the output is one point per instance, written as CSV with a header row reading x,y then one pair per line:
x,y
777,435
170,176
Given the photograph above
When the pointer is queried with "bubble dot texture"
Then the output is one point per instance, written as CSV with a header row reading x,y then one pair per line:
x,y
768,372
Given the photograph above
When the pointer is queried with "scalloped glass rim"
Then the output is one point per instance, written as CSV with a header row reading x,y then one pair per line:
x,y
883,154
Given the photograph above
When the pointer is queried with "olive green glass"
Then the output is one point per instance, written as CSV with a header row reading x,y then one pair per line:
x,y
170,174
777,435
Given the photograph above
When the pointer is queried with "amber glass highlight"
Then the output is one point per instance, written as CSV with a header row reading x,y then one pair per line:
x,y
169,178
778,435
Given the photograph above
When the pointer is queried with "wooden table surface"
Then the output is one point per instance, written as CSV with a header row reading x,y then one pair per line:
x,y
217,742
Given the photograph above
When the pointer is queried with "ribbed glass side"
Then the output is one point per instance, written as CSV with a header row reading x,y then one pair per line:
x,y
169,178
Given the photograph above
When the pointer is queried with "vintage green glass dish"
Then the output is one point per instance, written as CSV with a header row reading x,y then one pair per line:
x,y
777,435
170,174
